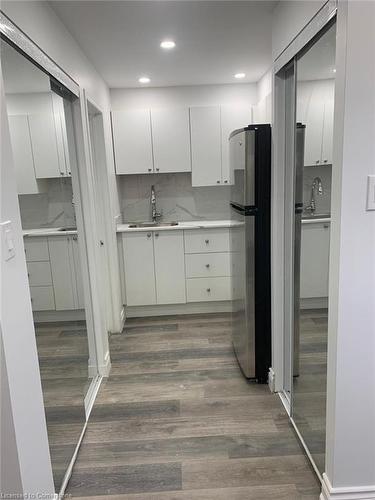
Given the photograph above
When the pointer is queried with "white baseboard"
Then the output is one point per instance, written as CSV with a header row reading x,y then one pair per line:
x,y
175,309
347,493
314,303
91,394
122,318
271,380
57,316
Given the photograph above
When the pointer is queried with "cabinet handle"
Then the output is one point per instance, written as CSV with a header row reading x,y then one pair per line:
x,y
208,290
157,169
150,169
156,235
217,182
317,161
101,243
326,226
325,161
61,173
207,265
225,182
207,241
148,235
70,173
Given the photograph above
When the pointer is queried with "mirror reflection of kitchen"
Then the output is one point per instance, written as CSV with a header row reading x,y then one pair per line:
x,y
314,134
41,130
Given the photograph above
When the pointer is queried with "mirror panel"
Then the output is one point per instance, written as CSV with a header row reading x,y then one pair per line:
x,y
44,153
315,81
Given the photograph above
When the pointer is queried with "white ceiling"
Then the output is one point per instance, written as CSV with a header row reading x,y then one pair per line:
x,y
215,39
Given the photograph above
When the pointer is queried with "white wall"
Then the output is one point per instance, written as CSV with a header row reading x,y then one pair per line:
x,y
39,21
289,18
195,95
262,112
351,349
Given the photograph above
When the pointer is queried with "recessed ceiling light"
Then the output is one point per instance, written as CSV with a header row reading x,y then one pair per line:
x,y
168,44
144,79
239,75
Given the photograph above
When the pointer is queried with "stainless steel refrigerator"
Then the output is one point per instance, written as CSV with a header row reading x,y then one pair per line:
x,y
250,163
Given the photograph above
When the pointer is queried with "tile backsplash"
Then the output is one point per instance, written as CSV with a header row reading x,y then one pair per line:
x,y
323,201
54,208
175,198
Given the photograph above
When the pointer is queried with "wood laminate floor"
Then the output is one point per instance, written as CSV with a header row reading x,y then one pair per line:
x,y
176,420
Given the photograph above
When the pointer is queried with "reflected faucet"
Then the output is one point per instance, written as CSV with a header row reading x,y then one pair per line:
x,y
154,213
315,186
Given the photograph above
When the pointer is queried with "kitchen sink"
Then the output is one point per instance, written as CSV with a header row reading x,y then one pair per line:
x,y
152,224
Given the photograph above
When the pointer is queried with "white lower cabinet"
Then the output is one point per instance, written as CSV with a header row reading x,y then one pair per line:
x,y
208,289
139,268
206,265
315,242
54,273
169,267
154,268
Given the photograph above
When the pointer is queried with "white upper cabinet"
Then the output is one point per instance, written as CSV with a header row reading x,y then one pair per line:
x,y
315,244
171,139
205,126
132,141
169,267
232,118
315,105
44,145
23,155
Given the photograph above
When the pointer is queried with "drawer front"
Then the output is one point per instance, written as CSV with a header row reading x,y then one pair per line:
x,y
208,289
42,298
39,273
207,240
36,249
204,265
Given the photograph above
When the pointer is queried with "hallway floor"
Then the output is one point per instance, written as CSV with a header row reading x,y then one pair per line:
x,y
176,420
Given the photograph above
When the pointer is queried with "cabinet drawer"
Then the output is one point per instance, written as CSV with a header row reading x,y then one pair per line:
x,y
202,265
208,289
36,249
42,298
207,240
39,273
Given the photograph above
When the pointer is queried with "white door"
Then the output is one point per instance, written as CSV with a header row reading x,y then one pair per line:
x,y
232,118
205,145
22,155
62,272
315,260
44,146
139,267
132,141
171,139
169,267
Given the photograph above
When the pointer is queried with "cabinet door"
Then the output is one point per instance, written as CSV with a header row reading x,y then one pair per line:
x,y
232,118
171,140
22,155
62,275
205,146
80,298
328,132
132,141
139,268
315,260
314,131
169,267
44,146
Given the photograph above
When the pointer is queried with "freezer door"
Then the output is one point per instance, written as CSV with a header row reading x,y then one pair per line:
x,y
242,165
243,292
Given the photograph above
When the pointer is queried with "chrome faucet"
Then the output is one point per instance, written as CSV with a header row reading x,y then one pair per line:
x,y
155,215
315,186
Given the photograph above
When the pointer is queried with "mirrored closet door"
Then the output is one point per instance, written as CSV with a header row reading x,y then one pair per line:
x,y
45,161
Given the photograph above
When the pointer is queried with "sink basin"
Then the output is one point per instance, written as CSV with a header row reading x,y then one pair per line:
x,y
316,216
152,224
68,229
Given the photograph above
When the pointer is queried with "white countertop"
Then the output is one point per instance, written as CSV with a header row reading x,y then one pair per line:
x,y
314,221
47,231
195,224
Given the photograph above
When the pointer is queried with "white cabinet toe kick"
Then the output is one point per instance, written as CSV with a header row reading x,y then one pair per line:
x,y
177,272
